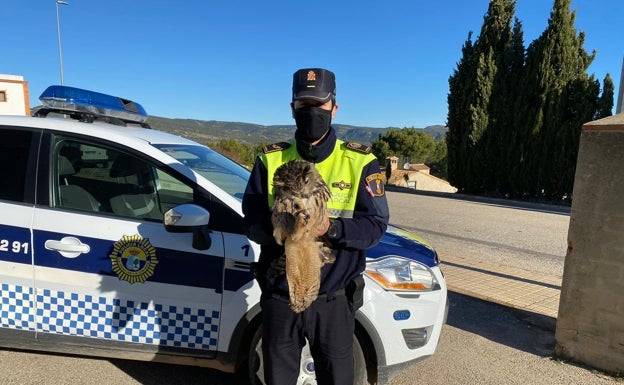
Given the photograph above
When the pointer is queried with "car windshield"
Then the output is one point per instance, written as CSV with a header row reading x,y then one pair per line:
x,y
225,173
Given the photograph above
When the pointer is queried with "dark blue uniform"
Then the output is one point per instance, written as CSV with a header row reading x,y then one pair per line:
x,y
329,322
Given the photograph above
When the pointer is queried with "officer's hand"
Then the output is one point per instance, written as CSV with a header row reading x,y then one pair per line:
x,y
321,229
277,267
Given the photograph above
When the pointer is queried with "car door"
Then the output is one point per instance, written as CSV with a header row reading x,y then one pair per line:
x,y
17,168
105,267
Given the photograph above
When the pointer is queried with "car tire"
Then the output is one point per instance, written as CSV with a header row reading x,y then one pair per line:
x,y
255,368
255,364
360,377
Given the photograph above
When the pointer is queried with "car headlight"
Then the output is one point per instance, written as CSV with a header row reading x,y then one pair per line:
x,y
398,273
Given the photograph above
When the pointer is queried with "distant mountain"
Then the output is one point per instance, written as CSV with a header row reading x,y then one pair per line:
x,y
438,131
204,131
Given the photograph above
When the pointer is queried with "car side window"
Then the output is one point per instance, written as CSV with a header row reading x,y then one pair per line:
x,y
97,178
14,152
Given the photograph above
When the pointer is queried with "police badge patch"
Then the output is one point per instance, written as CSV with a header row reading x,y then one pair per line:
x,y
133,258
375,184
341,185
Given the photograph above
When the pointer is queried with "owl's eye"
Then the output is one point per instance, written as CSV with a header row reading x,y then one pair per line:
x,y
307,179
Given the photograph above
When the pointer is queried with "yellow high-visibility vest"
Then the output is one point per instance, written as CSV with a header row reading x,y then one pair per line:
x,y
342,172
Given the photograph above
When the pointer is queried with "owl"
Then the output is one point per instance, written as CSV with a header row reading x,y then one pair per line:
x,y
301,198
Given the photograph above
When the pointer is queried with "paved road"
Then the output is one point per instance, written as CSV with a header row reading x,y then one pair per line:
x,y
532,237
482,343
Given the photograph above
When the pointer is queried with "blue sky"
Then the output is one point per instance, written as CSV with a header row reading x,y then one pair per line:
x,y
233,60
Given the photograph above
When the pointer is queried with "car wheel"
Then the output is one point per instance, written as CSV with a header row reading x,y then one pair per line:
x,y
360,376
307,375
255,368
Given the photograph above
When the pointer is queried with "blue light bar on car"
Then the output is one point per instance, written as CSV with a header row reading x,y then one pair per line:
x,y
77,100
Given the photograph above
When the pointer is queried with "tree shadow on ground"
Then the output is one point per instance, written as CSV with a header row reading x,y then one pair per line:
x,y
530,332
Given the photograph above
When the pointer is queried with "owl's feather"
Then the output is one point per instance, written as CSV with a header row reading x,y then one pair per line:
x,y
301,198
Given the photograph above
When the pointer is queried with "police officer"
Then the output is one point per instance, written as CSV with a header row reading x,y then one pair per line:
x,y
358,217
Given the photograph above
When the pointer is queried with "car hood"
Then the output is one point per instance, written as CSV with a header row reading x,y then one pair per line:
x,y
402,243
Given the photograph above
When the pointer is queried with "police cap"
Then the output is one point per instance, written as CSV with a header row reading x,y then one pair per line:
x,y
314,83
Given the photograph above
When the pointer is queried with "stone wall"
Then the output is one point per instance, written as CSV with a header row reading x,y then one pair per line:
x,y
590,324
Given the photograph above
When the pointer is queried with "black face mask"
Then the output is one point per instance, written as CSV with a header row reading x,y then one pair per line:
x,y
312,123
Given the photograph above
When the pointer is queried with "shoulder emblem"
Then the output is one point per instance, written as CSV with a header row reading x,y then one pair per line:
x,y
375,184
355,146
281,146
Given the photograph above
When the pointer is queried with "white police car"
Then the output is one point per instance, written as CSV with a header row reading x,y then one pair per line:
x,y
122,241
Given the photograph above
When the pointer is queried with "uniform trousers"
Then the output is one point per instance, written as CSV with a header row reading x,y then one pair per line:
x,y
328,324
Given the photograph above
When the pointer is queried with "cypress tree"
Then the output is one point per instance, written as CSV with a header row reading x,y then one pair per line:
x,y
605,102
510,141
457,120
515,115
506,82
571,102
557,97
471,89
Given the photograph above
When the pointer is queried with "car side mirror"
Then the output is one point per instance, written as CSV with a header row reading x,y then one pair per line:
x,y
190,218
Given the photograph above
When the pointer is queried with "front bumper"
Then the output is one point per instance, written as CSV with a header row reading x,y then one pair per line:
x,y
404,326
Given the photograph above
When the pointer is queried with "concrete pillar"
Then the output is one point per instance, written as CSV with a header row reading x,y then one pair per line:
x,y
590,324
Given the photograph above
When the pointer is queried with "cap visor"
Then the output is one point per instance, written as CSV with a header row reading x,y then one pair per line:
x,y
322,97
